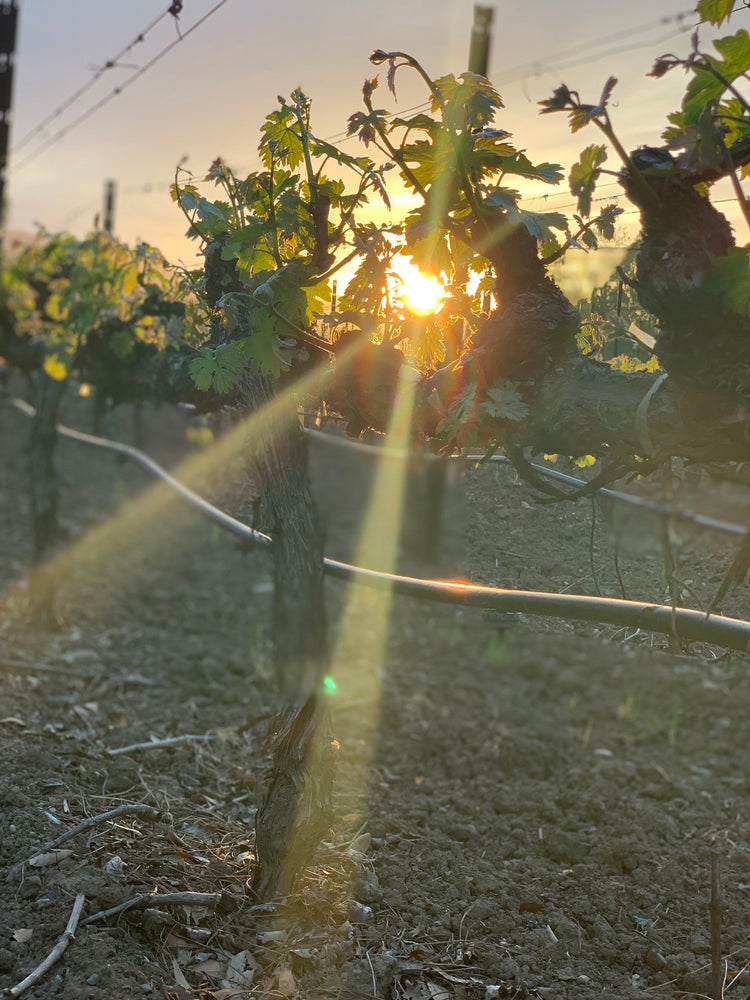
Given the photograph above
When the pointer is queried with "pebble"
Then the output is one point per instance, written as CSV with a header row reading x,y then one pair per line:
x,y
359,913
655,960
566,929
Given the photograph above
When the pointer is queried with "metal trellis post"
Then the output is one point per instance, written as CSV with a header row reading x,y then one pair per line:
x,y
8,26
479,50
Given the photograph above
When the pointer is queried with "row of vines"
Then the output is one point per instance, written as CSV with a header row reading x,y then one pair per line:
x,y
505,361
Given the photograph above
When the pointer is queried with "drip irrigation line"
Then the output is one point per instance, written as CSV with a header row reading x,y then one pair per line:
x,y
140,458
651,506
686,623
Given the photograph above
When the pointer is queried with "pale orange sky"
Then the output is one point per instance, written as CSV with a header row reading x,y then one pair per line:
x,y
208,96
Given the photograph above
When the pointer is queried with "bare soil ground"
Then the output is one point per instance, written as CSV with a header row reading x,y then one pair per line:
x,y
524,809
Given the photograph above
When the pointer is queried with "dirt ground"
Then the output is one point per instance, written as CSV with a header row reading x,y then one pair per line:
x,y
526,808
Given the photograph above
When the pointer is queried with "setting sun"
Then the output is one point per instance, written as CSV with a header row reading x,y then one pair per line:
x,y
419,292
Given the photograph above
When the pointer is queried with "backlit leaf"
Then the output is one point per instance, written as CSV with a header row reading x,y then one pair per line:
x,y
538,224
217,368
735,52
56,367
584,175
714,11
729,278
505,402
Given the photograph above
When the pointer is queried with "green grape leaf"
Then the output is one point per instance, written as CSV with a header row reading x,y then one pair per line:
x,y
214,216
589,239
280,140
584,175
426,341
319,147
735,50
186,195
56,309
366,126
605,223
419,121
505,198
268,353
246,246
317,296
505,402
56,367
461,410
472,101
217,368
714,11
538,224
518,163
235,308
120,343
706,87
549,247
729,278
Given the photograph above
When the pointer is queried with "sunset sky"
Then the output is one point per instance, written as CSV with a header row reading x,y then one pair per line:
x,y
208,95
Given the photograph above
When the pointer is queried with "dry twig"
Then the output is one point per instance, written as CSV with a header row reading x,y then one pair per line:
x,y
63,942
717,972
47,668
139,808
171,741
158,899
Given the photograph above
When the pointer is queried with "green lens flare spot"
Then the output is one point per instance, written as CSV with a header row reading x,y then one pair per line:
x,y
329,684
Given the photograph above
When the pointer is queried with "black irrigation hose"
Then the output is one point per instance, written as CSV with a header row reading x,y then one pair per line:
x,y
686,623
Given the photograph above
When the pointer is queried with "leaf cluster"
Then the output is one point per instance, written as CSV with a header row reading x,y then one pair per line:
x,y
94,298
282,232
712,127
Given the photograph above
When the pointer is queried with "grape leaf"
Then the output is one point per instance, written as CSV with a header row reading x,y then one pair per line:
x,y
268,353
735,50
518,163
729,278
505,198
55,367
121,343
214,216
505,402
280,140
217,368
538,224
714,11
584,175
606,221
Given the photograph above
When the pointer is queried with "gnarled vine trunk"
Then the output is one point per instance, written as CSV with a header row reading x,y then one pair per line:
x,y
297,807
277,453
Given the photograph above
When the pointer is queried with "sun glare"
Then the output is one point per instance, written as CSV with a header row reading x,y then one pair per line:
x,y
419,292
